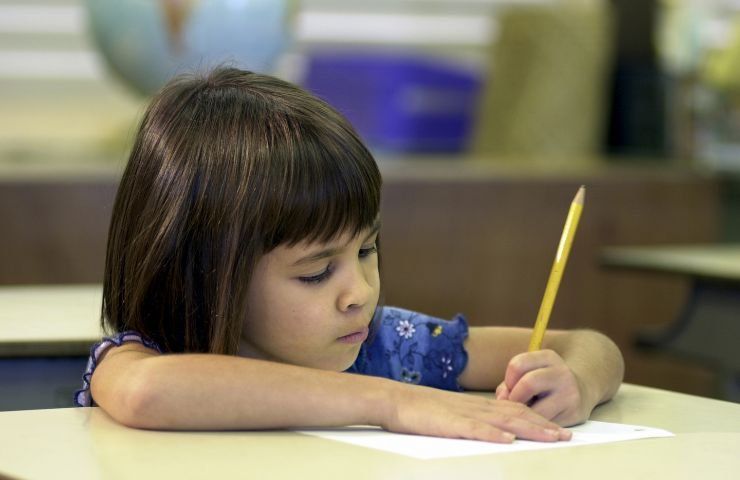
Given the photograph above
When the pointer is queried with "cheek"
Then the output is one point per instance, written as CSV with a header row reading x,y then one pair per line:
x,y
373,275
293,312
263,311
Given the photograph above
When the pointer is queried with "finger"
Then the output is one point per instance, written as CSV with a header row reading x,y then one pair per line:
x,y
473,429
526,429
518,410
565,434
518,419
488,408
524,363
548,406
502,392
551,422
568,418
538,383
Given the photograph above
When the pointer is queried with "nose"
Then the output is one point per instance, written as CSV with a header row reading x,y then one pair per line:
x,y
358,288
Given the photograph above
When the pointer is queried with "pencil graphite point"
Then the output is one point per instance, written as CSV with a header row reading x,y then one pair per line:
x,y
580,195
558,266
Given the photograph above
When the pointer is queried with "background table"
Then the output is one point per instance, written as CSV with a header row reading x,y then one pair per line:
x,y
85,443
45,336
708,328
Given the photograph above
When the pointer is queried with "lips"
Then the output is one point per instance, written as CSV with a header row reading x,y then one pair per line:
x,y
358,336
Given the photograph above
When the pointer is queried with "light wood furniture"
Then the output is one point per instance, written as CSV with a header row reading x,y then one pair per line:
x,y
708,327
49,320
85,443
717,262
45,336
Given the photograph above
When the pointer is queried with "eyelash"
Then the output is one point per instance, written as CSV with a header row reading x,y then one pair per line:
x,y
366,252
318,278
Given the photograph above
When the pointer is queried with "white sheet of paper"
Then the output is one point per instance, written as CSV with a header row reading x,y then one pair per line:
x,y
418,446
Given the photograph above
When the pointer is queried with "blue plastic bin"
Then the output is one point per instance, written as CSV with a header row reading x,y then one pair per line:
x,y
398,102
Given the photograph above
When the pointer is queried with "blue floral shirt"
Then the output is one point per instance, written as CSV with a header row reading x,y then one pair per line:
x,y
404,345
415,348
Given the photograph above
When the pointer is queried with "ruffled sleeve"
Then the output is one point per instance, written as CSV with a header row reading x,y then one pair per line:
x,y
83,397
415,348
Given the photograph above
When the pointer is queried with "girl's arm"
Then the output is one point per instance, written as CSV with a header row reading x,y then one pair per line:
x,y
575,371
143,389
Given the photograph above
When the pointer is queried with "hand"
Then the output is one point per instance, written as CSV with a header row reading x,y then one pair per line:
x,y
429,411
543,381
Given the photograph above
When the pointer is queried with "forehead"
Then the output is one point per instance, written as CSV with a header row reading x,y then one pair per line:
x,y
291,253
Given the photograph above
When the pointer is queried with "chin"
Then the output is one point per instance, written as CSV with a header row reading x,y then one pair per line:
x,y
338,360
344,364
339,366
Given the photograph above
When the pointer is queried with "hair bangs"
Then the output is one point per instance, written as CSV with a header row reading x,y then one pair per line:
x,y
331,186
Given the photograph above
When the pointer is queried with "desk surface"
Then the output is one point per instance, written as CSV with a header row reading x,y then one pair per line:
x,y
49,320
720,262
86,443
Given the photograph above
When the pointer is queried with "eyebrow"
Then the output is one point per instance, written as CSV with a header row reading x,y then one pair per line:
x,y
330,252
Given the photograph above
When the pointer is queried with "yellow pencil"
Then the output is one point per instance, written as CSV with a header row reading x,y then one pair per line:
x,y
556,273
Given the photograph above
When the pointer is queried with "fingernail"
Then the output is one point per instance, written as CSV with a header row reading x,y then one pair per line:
x,y
510,437
553,433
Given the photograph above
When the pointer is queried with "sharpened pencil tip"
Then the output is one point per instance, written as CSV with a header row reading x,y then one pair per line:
x,y
580,195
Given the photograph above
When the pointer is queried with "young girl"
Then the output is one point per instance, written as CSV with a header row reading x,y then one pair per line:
x,y
242,289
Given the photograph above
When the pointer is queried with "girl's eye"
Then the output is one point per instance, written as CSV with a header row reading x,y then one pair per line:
x,y
367,251
318,278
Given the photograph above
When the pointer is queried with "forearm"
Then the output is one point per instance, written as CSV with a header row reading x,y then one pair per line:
x,y
215,392
223,392
594,359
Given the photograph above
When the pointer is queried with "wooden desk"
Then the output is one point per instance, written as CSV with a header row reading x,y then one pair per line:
x,y
85,443
708,328
714,262
45,337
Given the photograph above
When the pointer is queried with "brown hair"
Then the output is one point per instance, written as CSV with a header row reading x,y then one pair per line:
x,y
225,167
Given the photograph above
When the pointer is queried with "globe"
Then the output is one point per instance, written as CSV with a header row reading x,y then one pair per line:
x,y
146,42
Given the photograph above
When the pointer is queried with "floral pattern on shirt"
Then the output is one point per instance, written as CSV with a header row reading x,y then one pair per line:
x,y
415,348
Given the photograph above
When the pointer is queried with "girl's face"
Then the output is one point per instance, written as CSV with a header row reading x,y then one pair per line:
x,y
311,304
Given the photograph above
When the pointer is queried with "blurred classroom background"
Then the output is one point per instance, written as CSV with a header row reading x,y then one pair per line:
x,y
485,116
